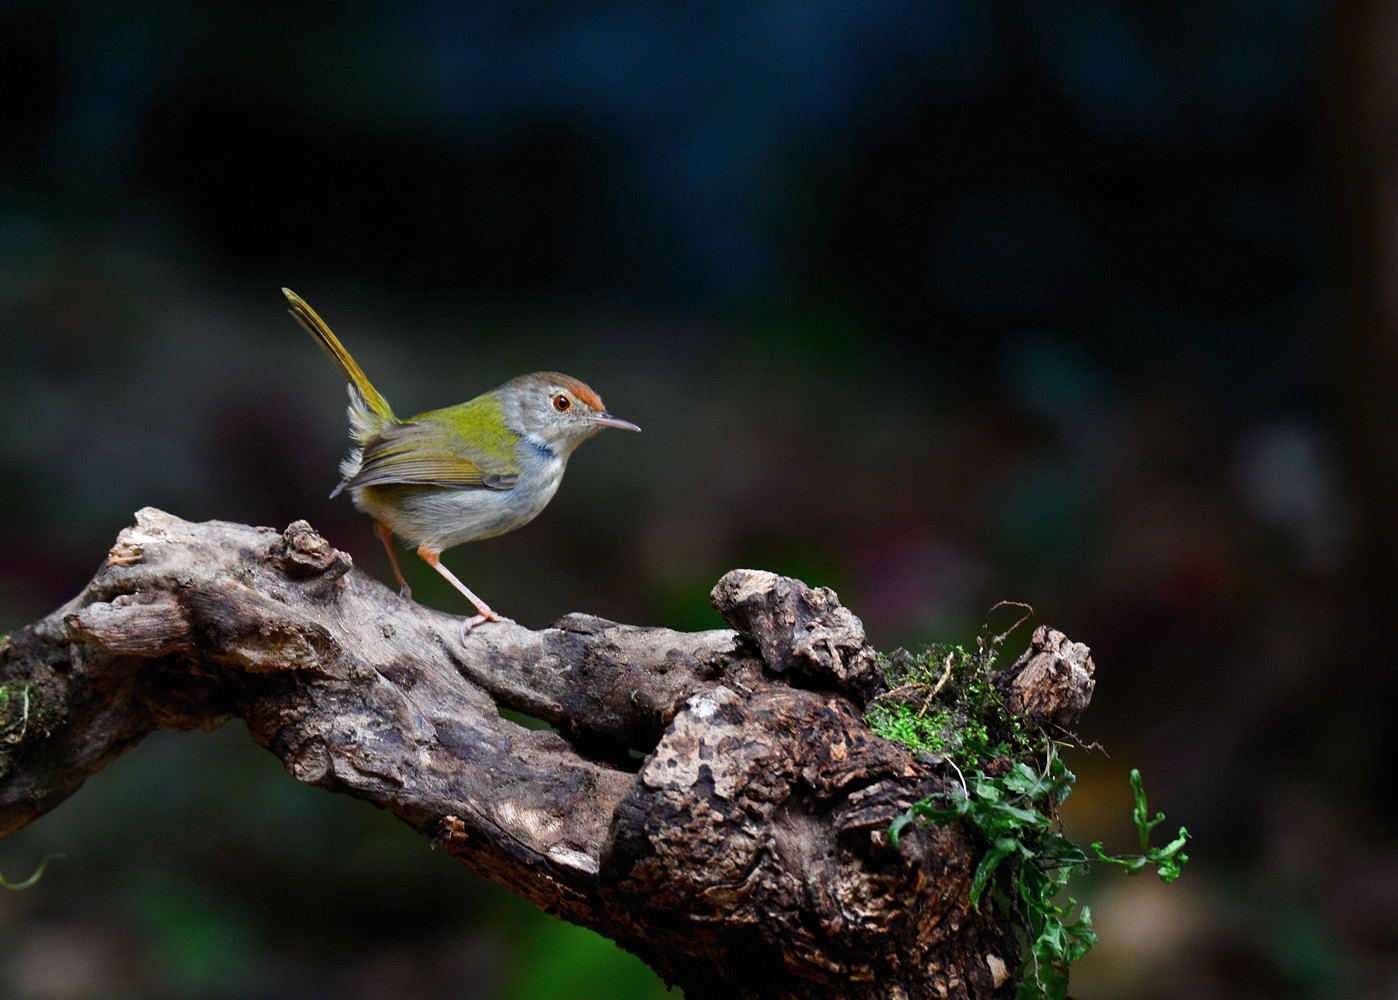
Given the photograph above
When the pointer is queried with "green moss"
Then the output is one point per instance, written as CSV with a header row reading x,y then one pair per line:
x,y
15,697
926,733
942,702
23,711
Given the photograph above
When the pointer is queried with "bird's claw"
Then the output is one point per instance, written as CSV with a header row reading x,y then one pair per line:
x,y
481,619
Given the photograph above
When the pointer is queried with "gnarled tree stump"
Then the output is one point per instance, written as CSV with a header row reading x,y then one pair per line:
x,y
711,801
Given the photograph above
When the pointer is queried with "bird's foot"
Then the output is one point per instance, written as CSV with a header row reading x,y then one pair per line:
x,y
481,619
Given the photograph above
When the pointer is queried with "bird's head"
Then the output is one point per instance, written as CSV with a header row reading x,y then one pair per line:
x,y
557,410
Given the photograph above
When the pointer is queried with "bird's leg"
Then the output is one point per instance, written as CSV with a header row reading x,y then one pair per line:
x,y
433,559
386,536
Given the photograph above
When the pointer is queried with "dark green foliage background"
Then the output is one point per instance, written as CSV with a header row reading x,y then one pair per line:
x,y
938,303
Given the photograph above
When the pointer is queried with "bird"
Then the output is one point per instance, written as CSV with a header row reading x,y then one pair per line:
x,y
461,473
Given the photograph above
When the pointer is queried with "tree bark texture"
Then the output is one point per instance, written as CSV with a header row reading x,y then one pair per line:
x,y
711,801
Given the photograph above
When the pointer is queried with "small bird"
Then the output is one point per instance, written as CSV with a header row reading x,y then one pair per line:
x,y
461,473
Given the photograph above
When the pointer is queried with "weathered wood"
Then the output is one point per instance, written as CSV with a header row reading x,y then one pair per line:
x,y
711,800
1052,682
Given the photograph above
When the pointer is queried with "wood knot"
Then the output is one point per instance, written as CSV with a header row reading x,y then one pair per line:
x,y
310,762
1052,681
302,552
804,632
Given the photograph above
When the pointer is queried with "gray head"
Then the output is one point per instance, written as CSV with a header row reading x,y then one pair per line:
x,y
557,410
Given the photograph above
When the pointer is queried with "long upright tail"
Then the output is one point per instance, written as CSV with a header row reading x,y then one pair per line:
x,y
316,327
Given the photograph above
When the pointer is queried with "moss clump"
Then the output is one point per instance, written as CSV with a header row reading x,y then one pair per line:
x,y
17,704
937,733
942,702
24,712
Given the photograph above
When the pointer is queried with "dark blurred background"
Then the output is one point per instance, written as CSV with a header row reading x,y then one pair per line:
x,y
940,303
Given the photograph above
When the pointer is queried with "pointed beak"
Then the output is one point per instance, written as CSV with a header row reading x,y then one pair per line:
x,y
605,419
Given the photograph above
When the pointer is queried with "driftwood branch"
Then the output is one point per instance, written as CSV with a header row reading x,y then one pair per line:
x,y
710,800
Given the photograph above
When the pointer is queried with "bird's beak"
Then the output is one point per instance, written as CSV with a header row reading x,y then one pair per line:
x,y
605,419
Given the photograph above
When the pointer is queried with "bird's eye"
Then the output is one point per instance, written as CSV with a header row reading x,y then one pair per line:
x,y
561,402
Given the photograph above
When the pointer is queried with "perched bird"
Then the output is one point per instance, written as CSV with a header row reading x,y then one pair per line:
x,y
461,473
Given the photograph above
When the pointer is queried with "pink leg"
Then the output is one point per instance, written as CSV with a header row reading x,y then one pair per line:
x,y
386,536
433,559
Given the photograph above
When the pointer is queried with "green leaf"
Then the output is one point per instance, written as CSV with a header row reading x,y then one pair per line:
x,y
1171,858
1083,937
989,862
895,829
1000,816
1169,861
1057,851
1141,812
1131,864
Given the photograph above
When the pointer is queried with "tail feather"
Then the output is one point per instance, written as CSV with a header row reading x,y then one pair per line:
x,y
359,382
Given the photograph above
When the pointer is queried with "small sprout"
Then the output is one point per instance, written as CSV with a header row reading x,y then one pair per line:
x,y
38,873
1169,860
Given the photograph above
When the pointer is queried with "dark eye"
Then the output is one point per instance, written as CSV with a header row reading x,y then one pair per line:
x,y
561,402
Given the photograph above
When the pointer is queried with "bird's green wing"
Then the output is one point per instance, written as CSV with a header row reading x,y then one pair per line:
x,y
427,453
